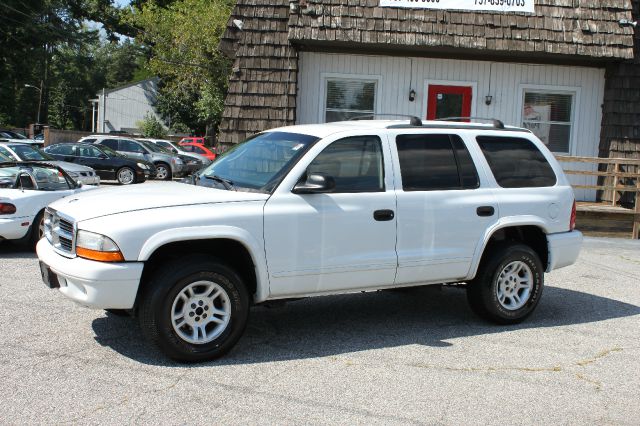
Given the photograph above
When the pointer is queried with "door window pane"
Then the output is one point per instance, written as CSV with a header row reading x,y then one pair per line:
x,y
516,162
349,98
448,105
355,163
435,162
130,146
548,116
111,143
61,149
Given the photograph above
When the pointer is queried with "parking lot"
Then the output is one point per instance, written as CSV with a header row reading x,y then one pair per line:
x,y
417,356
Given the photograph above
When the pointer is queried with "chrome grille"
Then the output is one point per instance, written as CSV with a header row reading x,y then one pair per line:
x,y
60,232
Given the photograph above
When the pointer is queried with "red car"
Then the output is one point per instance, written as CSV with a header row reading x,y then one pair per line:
x,y
192,139
199,149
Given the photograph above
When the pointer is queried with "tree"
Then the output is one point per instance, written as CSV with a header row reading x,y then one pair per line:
x,y
151,127
183,38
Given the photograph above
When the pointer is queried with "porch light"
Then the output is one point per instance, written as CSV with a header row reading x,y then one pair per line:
x,y
412,95
488,99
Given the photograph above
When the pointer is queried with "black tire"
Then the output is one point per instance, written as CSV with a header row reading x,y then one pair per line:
x,y
158,304
483,292
126,176
163,171
119,312
35,232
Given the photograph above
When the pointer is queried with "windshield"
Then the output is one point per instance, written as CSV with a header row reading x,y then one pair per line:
x,y
26,153
261,162
33,177
109,151
12,135
154,148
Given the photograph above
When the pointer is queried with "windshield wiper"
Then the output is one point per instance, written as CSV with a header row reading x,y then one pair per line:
x,y
228,185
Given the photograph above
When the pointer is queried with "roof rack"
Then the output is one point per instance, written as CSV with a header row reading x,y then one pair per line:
x,y
496,123
413,120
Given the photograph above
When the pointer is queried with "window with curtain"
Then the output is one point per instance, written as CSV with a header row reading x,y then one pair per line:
x,y
548,115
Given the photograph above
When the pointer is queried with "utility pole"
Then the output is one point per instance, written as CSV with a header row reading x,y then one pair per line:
x,y
39,99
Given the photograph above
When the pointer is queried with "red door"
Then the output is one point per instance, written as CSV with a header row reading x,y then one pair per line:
x,y
448,101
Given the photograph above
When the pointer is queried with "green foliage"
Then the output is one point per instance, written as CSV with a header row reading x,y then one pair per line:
x,y
151,127
183,37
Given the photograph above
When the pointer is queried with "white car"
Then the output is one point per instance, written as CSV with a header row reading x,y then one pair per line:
x,y
320,209
26,188
23,152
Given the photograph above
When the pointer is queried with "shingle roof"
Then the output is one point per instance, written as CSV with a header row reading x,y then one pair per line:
x,y
568,27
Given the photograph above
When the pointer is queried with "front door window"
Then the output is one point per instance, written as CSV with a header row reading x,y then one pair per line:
x,y
448,101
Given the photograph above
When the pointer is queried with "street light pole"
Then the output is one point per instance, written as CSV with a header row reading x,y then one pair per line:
x,y
39,99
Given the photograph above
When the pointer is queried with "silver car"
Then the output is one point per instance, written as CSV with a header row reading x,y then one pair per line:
x,y
167,165
23,152
193,161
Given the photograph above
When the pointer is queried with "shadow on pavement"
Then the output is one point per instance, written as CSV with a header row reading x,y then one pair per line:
x,y
334,325
12,250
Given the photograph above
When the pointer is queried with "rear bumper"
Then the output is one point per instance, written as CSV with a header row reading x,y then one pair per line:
x,y
13,228
564,249
93,284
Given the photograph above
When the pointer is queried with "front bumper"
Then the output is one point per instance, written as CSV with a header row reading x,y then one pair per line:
x,y
564,249
14,228
97,285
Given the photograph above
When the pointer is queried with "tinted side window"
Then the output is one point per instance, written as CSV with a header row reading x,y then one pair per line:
x,y
111,143
435,162
90,140
355,163
130,146
88,151
516,162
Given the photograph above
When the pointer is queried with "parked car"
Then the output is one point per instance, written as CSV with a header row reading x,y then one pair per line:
x,y
192,160
11,136
320,209
22,152
26,188
199,149
107,163
193,139
167,165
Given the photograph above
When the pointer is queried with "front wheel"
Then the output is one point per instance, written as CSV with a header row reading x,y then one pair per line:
x,y
508,285
163,172
195,309
126,176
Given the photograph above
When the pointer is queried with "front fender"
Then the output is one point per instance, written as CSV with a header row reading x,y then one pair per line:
x,y
253,246
505,222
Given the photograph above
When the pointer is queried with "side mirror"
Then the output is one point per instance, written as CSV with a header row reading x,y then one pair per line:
x,y
316,183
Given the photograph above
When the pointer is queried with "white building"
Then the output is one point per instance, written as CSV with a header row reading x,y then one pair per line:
x,y
120,109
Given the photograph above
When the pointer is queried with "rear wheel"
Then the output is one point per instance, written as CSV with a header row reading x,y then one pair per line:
x,y
126,176
508,285
37,231
195,309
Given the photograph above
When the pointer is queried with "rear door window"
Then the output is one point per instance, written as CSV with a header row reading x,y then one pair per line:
x,y
516,162
430,162
111,143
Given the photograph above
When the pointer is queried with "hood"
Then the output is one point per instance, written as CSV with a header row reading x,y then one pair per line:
x,y
106,201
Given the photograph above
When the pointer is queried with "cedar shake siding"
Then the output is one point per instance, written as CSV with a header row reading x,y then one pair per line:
x,y
621,110
263,85
559,27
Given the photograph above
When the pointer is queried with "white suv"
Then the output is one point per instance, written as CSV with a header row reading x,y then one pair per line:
x,y
319,209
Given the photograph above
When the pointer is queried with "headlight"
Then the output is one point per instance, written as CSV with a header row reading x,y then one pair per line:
x,y
97,247
143,166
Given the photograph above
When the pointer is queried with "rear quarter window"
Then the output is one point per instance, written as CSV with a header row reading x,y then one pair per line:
x,y
516,162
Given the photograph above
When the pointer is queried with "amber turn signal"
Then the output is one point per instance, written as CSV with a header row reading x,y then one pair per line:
x,y
102,256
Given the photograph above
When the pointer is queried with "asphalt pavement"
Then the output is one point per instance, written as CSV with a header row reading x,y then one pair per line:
x,y
414,357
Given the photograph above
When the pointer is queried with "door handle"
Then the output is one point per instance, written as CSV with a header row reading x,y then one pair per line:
x,y
383,215
485,211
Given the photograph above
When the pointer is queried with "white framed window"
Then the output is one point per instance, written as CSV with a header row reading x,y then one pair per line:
x,y
346,97
550,115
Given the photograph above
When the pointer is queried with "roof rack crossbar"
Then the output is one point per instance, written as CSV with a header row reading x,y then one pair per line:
x,y
413,120
496,123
